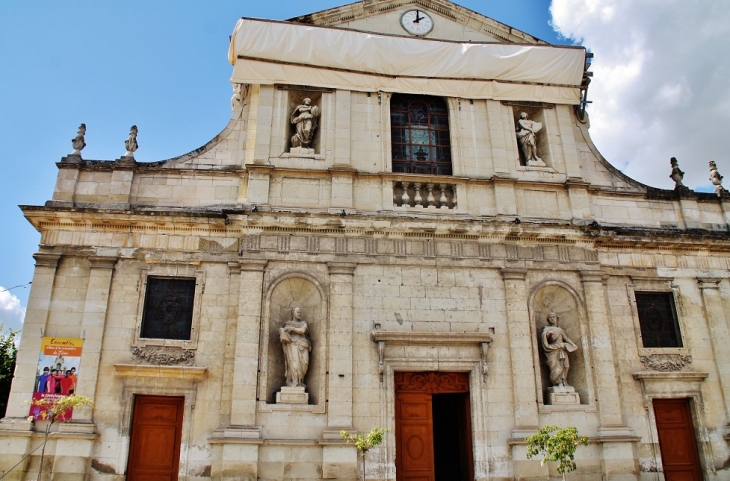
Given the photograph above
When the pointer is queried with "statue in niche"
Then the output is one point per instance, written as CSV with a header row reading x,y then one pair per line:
x,y
557,346
304,118
527,138
78,142
297,346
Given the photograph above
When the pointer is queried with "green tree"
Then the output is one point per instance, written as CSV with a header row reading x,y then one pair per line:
x,y
559,447
8,353
365,443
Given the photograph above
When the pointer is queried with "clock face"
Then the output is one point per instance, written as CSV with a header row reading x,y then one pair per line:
x,y
416,22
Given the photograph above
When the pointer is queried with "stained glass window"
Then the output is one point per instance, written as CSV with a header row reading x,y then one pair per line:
x,y
658,319
420,135
168,308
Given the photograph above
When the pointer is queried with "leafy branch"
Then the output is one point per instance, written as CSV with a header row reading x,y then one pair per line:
x,y
559,447
365,443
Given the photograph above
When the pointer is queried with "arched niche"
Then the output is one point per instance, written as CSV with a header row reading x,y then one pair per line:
x,y
554,297
287,293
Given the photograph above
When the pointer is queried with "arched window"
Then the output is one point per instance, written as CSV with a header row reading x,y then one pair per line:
x,y
420,135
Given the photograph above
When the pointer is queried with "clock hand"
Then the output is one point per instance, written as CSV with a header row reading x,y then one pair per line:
x,y
418,17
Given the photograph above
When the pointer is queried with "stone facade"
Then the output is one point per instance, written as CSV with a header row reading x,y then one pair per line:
x,y
386,285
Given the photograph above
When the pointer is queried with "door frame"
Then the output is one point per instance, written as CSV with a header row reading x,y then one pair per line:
x,y
676,385
470,364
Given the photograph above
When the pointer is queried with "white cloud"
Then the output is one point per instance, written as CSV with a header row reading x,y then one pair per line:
x,y
661,85
11,312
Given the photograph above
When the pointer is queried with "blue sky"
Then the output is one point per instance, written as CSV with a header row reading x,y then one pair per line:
x,y
162,65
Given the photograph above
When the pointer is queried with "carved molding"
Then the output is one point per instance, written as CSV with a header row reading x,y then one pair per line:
x,y
686,376
43,259
163,356
666,362
482,339
179,372
433,382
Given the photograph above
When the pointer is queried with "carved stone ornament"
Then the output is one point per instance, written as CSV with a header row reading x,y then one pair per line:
x,y
440,382
131,143
716,180
78,142
163,356
666,362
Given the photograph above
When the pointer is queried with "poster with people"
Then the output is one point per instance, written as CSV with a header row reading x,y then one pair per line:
x,y
57,375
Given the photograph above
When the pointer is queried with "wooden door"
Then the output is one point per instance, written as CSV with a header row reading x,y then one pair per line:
x,y
677,441
414,434
154,451
415,454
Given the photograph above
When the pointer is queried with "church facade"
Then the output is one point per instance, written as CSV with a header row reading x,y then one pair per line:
x,y
405,224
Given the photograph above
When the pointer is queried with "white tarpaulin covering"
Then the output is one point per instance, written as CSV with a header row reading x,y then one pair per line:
x,y
267,52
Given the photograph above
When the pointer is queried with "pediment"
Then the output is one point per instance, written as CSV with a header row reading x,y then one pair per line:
x,y
451,21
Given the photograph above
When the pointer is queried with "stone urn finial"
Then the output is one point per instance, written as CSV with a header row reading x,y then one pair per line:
x,y
677,175
716,180
131,143
78,141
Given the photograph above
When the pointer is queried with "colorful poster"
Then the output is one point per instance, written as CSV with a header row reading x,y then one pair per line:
x,y
57,376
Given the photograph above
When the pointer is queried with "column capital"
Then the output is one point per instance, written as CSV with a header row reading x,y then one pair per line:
x,y
253,265
593,276
234,268
102,262
513,274
709,282
346,268
43,259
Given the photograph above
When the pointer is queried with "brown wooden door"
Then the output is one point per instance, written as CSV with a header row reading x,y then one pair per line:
x,y
414,434
154,451
416,455
677,440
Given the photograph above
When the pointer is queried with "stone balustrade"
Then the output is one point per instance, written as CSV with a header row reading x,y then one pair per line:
x,y
426,195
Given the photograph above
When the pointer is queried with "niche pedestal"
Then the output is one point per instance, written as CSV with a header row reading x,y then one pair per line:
x,y
292,395
562,395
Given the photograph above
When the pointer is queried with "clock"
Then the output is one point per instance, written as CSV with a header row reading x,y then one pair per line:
x,y
417,22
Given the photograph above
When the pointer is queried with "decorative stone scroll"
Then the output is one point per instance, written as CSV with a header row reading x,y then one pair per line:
x,y
666,362
163,356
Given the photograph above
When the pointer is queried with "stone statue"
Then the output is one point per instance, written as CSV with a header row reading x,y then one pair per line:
x,y
557,346
304,118
131,142
677,175
78,141
296,345
527,138
716,180
239,93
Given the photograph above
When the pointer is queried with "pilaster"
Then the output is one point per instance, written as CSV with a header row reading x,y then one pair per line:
x,y
339,461
719,337
92,325
245,365
607,389
520,347
342,128
34,326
